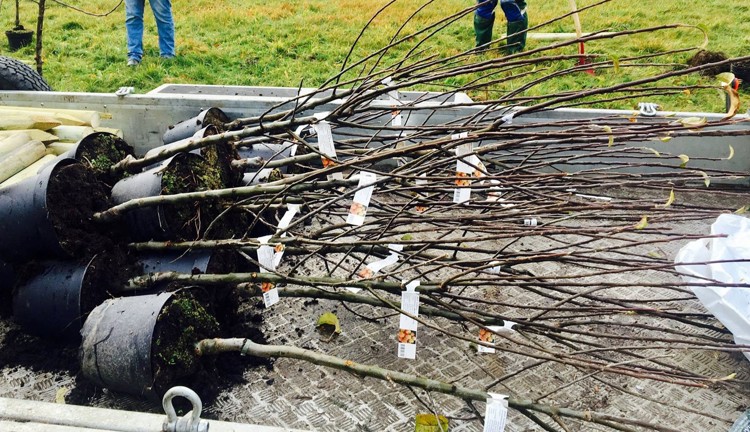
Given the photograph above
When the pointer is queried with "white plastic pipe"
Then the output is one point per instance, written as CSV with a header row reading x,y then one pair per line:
x,y
561,36
71,418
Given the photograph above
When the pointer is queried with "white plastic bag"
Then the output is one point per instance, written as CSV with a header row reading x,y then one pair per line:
x,y
730,305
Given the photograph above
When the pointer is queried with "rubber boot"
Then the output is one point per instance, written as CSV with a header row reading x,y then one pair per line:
x,y
483,31
517,42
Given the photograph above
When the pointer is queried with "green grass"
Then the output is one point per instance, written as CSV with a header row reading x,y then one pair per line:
x,y
284,43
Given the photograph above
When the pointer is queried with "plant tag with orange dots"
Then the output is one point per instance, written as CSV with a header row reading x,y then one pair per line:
x,y
464,172
407,332
292,210
327,147
489,335
371,269
358,209
267,265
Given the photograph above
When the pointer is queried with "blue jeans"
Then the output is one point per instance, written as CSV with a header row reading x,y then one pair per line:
x,y
162,10
513,9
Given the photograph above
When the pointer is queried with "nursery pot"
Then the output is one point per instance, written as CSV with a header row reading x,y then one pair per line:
x,y
50,304
7,279
200,133
268,152
144,345
28,229
152,223
192,262
7,276
116,349
187,128
19,38
100,151
220,155
742,71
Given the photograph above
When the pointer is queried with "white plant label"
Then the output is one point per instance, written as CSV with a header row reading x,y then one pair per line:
x,y
530,222
407,333
393,95
267,265
327,147
371,269
489,336
463,175
496,414
397,119
361,201
291,211
278,249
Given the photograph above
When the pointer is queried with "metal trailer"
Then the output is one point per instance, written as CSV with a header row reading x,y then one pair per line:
x,y
144,118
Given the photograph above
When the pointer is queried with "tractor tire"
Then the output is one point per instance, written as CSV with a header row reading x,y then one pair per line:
x,y
16,75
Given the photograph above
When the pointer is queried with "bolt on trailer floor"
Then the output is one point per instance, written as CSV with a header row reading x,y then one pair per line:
x,y
295,394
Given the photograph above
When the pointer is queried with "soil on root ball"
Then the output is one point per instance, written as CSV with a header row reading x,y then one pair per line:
x,y
200,315
106,275
220,156
73,196
100,151
188,221
703,57
181,324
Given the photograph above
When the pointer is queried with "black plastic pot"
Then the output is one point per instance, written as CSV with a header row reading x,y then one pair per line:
x,y
7,279
268,152
99,151
201,133
149,223
742,71
7,276
50,304
192,262
117,336
220,154
19,38
144,223
188,128
26,230
145,345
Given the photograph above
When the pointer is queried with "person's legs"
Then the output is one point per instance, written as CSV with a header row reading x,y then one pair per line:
x,y
134,28
518,22
484,18
164,25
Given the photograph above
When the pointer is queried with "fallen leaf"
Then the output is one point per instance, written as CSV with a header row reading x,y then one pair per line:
x,y
328,323
729,377
611,137
731,152
734,102
653,151
685,159
60,395
656,254
670,200
706,178
642,224
407,237
742,210
693,122
725,78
